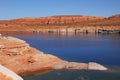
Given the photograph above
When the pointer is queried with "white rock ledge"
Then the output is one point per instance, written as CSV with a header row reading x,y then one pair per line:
x,y
95,66
9,73
78,66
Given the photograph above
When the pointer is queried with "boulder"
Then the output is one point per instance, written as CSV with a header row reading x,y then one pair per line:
x,y
95,66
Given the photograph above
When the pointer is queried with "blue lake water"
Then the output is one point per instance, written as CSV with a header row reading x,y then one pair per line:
x,y
100,48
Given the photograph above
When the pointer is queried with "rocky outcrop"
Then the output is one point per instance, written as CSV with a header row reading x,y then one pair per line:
x,y
68,23
6,74
65,19
79,66
18,56
95,66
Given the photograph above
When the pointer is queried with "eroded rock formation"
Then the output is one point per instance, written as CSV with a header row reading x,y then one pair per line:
x,y
71,23
18,56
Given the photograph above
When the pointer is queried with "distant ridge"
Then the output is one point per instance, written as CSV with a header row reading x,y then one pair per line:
x,y
60,16
115,16
59,22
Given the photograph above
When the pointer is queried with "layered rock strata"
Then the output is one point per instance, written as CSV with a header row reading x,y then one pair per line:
x,y
67,24
18,56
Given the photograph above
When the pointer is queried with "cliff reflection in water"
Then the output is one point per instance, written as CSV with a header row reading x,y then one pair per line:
x,y
23,33
90,36
112,74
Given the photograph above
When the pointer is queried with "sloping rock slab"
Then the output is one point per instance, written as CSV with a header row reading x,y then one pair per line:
x,y
6,74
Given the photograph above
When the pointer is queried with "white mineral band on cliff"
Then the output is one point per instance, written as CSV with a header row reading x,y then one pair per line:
x,y
6,74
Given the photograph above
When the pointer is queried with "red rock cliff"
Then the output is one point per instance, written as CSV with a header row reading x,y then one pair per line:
x,y
62,24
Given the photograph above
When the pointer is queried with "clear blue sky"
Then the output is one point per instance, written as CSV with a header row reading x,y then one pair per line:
x,y
10,9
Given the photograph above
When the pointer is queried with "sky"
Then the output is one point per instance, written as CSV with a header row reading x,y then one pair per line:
x,y
11,9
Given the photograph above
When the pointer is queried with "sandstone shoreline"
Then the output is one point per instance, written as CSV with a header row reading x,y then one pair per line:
x,y
6,74
18,56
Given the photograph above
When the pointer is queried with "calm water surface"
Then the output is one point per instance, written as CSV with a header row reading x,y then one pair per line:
x,y
100,48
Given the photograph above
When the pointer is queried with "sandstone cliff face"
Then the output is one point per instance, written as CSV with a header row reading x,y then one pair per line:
x,y
54,20
71,23
19,57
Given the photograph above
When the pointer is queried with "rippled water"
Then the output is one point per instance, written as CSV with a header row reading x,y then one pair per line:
x,y
100,48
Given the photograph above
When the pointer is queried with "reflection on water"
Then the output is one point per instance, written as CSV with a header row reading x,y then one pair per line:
x,y
51,34
80,47
112,74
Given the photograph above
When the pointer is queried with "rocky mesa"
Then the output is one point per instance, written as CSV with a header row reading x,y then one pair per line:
x,y
64,23
18,56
